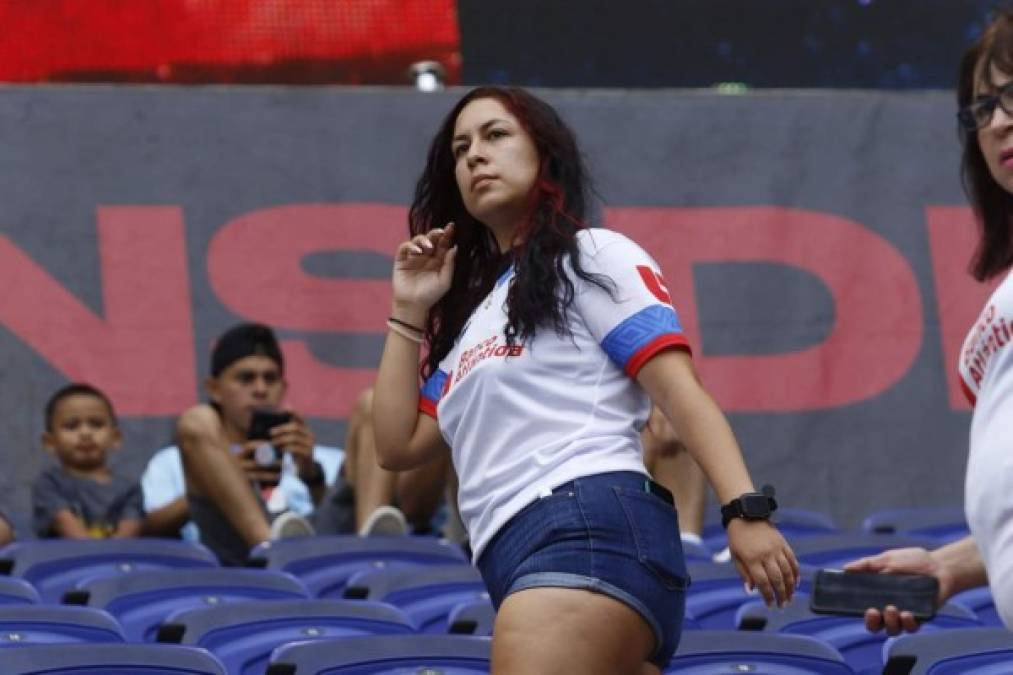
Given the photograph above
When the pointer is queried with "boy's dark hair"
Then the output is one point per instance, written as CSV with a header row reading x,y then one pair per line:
x,y
242,340
76,389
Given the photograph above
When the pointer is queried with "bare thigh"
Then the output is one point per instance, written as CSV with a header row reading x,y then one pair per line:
x,y
563,630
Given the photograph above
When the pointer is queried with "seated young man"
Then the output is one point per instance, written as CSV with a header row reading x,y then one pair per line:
x,y
214,484
81,498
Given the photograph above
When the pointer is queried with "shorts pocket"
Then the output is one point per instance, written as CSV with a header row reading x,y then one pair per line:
x,y
655,528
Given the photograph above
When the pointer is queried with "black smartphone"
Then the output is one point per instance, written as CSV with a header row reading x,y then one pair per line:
x,y
851,593
263,420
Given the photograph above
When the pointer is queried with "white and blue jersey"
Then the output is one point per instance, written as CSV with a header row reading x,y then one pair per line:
x,y
522,419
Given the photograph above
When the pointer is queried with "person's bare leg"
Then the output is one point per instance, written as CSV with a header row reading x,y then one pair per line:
x,y
211,471
6,533
670,464
420,491
373,486
561,630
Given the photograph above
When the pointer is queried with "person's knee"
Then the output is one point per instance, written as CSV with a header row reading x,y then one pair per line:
x,y
362,411
6,532
199,423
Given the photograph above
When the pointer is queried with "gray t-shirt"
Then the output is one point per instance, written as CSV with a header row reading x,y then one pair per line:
x,y
101,506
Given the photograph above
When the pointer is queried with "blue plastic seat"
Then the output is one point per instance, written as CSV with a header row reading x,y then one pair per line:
x,y
792,522
861,649
109,659
325,563
426,594
953,652
141,601
715,652
834,550
15,591
53,566
943,524
242,635
980,601
476,617
385,655
716,592
56,624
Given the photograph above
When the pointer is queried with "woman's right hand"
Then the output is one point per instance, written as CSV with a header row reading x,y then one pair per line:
x,y
423,269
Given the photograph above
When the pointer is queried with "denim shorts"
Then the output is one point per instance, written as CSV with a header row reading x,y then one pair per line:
x,y
604,533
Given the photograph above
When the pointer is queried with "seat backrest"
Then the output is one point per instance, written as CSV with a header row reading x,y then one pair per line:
x,y
943,523
447,654
860,648
243,635
325,563
743,652
56,624
426,594
834,550
945,652
53,566
141,601
15,591
121,659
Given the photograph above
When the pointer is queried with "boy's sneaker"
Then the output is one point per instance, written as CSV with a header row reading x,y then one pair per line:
x,y
289,525
385,521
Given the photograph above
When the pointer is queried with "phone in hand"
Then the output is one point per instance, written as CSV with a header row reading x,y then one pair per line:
x,y
261,423
851,593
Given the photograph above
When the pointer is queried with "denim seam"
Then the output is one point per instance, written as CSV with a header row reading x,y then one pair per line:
x,y
592,567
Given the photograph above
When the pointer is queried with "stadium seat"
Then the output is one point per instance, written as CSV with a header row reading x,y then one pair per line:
x,y
385,655
110,659
51,624
943,524
472,618
979,600
862,650
325,563
717,591
426,595
708,652
952,652
141,601
242,635
17,592
53,566
834,550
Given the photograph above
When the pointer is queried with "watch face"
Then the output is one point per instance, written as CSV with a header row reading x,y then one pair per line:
x,y
755,506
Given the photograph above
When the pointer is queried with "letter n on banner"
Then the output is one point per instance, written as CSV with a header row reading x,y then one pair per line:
x,y
255,267
141,353
953,235
878,328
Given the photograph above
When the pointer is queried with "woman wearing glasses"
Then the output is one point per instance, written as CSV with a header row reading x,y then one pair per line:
x,y
985,95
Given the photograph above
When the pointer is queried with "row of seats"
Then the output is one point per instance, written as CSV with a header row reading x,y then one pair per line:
x,y
701,652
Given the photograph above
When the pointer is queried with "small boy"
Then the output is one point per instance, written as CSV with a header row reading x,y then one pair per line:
x,y
81,498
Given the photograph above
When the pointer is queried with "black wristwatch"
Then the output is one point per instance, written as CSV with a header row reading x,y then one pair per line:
x,y
750,506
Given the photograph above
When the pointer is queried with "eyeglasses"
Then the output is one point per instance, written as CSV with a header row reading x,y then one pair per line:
x,y
979,114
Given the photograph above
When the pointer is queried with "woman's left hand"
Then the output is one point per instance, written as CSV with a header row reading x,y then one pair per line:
x,y
764,559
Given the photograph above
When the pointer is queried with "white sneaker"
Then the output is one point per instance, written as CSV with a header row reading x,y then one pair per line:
x,y
385,521
290,525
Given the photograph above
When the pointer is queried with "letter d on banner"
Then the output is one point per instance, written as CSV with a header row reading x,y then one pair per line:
x,y
878,328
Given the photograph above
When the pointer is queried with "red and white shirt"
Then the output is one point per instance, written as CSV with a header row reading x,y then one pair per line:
x,y
523,419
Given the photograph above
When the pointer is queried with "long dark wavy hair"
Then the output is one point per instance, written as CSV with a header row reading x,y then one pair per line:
x,y
992,204
540,292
